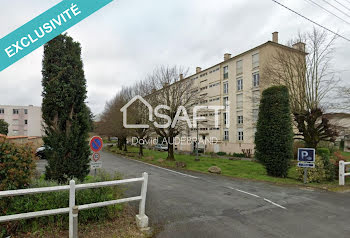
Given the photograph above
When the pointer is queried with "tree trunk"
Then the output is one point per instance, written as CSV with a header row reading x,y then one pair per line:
x,y
125,145
140,150
171,149
120,144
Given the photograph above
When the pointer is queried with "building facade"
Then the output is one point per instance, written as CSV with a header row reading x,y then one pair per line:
x,y
22,120
236,82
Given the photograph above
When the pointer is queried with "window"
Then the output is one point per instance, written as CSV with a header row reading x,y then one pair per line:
x,y
226,135
240,134
240,100
15,111
25,122
255,115
239,67
240,84
240,119
255,60
225,87
225,118
256,79
226,72
2,111
15,122
225,101
26,111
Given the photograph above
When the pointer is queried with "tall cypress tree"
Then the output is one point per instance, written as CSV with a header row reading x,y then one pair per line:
x,y
274,136
65,114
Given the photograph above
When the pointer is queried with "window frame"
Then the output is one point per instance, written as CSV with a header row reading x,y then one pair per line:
x,y
225,87
240,84
225,72
239,67
254,79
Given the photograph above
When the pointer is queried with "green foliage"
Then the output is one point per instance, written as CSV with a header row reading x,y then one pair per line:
x,y
66,117
221,153
274,136
238,155
317,174
4,127
17,165
329,167
54,200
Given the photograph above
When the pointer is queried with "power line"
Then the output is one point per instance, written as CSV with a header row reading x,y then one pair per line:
x,y
342,5
327,11
311,21
336,8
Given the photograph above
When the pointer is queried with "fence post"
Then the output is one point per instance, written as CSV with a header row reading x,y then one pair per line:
x,y
141,218
75,221
71,205
341,173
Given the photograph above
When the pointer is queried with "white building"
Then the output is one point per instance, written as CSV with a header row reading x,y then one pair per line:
x,y
22,120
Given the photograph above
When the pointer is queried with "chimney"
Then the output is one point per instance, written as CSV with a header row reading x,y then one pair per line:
x,y
299,46
181,76
166,85
275,37
198,69
227,56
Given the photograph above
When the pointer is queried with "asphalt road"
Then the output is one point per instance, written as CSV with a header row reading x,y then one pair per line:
x,y
188,204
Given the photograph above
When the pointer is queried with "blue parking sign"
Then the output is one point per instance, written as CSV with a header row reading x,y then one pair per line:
x,y
306,155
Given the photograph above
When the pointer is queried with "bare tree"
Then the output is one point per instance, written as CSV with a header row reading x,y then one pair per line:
x,y
308,74
178,96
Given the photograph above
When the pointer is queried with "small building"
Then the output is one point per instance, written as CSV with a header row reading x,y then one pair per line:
x,y
23,120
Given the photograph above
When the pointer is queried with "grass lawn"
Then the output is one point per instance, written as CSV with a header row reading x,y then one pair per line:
x,y
233,168
346,155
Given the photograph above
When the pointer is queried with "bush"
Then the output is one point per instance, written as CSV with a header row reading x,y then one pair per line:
x,y
221,153
324,154
17,165
238,155
53,200
317,174
274,136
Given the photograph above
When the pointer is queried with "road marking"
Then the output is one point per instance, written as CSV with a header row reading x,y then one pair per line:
x,y
267,200
251,194
257,196
187,175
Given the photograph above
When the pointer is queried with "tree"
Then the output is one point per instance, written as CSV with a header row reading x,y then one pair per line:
x,y
309,78
175,95
4,127
65,114
274,136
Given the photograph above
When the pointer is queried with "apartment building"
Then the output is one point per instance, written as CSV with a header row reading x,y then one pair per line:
x,y
22,120
236,82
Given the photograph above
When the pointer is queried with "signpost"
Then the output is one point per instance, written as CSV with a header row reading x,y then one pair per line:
x,y
96,145
306,158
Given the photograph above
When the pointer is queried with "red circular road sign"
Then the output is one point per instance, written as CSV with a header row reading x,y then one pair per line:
x,y
96,157
96,144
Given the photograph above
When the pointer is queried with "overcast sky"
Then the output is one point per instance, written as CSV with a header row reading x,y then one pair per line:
x,y
127,39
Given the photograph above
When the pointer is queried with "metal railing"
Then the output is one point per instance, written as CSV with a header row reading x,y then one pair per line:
x,y
141,218
342,170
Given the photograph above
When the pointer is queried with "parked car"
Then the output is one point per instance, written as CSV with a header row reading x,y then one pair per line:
x,y
40,152
161,147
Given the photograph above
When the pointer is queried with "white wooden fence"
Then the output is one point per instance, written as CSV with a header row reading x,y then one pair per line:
x,y
141,218
342,172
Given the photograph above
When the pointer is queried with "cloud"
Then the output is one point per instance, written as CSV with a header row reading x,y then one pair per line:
x,y
127,39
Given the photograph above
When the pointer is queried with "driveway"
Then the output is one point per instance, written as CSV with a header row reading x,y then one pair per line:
x,y
189,204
